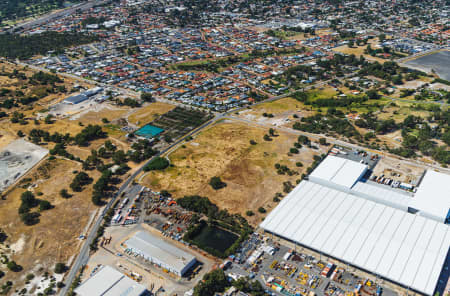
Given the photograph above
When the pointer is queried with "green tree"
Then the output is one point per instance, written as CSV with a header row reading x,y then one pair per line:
x,y
45,205
216,183
64,194
147,97
213,282
158,163
60,268
13,266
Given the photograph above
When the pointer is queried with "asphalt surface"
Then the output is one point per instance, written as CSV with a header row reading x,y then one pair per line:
x,y
53,15
266,271
83,256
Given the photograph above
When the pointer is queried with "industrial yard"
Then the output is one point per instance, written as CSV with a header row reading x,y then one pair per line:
x,y
16,159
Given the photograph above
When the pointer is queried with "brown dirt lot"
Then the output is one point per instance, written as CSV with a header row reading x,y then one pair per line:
x,y
224,150
358,51
282,110
148,113
96,117
54,238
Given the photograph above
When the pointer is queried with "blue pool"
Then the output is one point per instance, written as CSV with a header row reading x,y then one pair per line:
x,y
149,131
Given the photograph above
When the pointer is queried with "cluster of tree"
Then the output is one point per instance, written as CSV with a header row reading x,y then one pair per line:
x,y
102,187
157,164
28,202
37,135
426,94
10,10
101,230
16,46
44,78
93,20
198,204
60,149
217,282
389,71
283,170
89,133
147,97
80,180
221,218
18,117
379,126
8,104
141,150
217,183
319,124
130,102
418,135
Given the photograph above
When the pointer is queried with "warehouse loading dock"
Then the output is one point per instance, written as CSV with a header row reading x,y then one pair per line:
x,y
160,253
362,230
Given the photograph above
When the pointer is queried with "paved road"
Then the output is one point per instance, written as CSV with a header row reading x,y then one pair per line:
x,y
83,256
54,15
337,142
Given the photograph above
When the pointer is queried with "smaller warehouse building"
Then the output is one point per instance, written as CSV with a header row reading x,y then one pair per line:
x,y
110,282
75,99
160,253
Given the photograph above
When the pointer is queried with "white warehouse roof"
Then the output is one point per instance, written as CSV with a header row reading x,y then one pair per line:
x,y
383,194
405,248
432,198
160,251
339,171
110,282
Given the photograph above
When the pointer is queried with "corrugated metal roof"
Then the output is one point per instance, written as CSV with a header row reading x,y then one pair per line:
x,y
110,282
402,247
154,247
340,171
433,195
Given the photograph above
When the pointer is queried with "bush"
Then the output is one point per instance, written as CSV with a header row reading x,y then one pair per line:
x,y
253,142
294,150
30,218
60,268
13,266
64,194
45,205
299,164
156,164
262,210
249,213
216,183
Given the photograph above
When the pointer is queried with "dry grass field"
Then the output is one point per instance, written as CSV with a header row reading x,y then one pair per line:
x,y
55,238
224,150
359,50
148,113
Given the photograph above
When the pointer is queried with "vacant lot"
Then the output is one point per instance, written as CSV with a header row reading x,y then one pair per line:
x,y
224,150
277,113
55,238
358,51
148,113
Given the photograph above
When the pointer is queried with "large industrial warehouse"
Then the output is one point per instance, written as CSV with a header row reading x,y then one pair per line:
x,y
110,282
160,253
338,214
